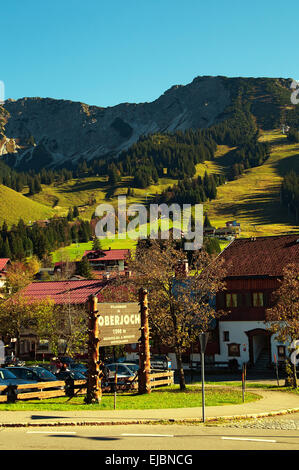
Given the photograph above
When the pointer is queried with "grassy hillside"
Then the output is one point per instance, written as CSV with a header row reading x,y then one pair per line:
x,y
77,192
14,206
254,198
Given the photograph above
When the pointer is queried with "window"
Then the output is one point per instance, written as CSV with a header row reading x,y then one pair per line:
x,y
258,299
231,300
226,336
28,374
43,345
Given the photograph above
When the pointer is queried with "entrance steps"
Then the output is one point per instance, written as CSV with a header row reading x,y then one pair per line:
x,y
262,361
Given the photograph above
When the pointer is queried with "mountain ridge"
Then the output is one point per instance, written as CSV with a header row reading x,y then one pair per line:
x,y
46,132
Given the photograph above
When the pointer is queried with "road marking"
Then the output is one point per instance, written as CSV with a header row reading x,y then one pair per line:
x,y
51,432
247,439
148,435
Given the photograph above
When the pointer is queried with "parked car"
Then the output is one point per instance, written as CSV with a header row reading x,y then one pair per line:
x,y
34,374
123,370
160,362
13,360
8,378
72,364
69,374
78,367
66,364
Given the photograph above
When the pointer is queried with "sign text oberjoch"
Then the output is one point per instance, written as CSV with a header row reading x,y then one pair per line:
x,y
119,323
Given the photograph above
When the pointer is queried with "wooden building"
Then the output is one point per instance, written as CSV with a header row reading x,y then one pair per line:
x,y
254,269
108,260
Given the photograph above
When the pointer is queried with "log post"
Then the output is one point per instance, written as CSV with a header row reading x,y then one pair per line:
x,y
94,389
144,381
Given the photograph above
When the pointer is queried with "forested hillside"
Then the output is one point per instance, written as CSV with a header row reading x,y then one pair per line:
x,y
167,150
290,193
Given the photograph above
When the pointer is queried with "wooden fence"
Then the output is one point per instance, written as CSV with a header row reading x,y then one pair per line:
x,y
160,379
70,388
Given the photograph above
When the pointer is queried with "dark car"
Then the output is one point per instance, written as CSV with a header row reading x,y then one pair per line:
x,y
72,364
8,378
69,374
34,374
69,361
77,367
13,361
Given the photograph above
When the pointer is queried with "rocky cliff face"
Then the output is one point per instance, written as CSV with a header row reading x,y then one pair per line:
x,y
46,132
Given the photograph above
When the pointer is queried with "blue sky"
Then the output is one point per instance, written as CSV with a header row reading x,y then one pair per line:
x,y
108,52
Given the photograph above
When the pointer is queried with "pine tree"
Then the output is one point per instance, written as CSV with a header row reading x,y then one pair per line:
x,y
96,245
36,185
70,214
207,222
75,212
6,253
4,231
84,268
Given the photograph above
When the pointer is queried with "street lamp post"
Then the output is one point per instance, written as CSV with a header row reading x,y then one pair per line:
x,y
203,340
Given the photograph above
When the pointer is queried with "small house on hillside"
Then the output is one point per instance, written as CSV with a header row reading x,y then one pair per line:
x,y
4,263
108,260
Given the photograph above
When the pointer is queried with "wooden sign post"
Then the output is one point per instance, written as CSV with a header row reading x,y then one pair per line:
x,y
144,380
94,389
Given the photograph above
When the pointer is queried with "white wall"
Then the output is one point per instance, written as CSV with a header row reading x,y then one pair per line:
x,y
237,335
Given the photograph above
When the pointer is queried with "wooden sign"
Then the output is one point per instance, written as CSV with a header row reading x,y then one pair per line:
x,y
119,323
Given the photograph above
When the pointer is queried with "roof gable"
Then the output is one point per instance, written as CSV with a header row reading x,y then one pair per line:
x,y
260,256
3,263
107,255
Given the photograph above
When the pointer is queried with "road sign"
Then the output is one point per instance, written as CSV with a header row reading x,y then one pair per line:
x,y
203,340
119,323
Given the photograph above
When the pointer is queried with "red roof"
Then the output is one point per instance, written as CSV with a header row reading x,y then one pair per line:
x,y
261,256
62,292
108,255
110,274
3,263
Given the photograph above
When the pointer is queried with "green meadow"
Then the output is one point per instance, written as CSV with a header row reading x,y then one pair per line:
x,y
14,206
254,198
168,397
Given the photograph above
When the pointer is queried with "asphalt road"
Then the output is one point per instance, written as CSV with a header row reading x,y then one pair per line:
x,y
153,437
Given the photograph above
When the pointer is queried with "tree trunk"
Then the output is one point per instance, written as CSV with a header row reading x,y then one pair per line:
x,y
180,369
144,379
94,389
291,378
18,345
